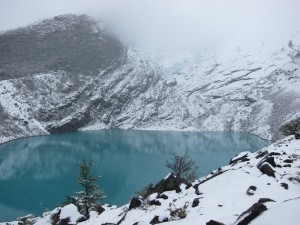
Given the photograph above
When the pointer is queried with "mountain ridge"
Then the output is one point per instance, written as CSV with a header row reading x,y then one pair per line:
x,y
104,84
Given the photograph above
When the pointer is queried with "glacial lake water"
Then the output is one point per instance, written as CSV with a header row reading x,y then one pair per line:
x,y
37,173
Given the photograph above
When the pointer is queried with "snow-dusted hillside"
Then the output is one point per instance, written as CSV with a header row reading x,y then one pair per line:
x,y
232,89
267,182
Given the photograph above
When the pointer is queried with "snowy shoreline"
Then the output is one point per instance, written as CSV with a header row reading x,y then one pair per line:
x,y
224,195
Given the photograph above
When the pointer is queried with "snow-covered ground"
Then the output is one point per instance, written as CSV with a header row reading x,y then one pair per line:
x,y
223,195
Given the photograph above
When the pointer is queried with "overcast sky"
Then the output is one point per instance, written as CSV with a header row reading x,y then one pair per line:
x,y
168,22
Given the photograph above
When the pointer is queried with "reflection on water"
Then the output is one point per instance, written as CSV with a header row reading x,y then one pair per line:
x,y
37,173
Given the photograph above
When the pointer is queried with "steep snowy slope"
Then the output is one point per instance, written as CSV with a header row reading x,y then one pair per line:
x,y
67,74
234,89
266,182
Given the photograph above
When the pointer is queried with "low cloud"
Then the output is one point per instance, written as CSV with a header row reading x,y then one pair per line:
x,y
167,23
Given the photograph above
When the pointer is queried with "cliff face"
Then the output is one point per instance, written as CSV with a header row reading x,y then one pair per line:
x,y
67,74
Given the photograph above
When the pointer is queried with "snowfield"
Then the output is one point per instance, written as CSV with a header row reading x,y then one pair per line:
x,y
223,195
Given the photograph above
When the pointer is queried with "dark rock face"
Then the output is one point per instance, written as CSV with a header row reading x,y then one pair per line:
x,y
297,136
135,202
171,183
72,125
213,222
250,214
267,169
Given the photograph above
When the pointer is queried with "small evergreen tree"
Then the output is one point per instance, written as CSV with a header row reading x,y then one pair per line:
x,y
291,128
87,199
183,166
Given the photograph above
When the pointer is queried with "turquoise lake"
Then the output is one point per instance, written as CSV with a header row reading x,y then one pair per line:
x,y
37,173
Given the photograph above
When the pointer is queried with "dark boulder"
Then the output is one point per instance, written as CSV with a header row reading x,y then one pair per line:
x,y
251,190
267,169
285,185
57,221
156,220
99,209
263,200
274,153
163,196
243,158
288,161
262,154
287,165
196,202
188,186
250,214
170,183
297,136
134,203
213,222
267,159
154,202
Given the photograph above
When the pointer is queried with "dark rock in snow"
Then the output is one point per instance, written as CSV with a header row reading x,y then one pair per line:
x,y
121,220
196,202
170,183
285,185
163,196
196,187
288,161
154,202
263,200
267,169
262,154
156,220
213,222
242,159
251,190
99,209
188,186
297,136
135,202
287,165
250,214
267,159
274,153
57,221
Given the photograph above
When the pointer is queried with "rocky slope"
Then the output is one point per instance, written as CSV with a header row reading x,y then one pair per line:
x,y
258,188
67,74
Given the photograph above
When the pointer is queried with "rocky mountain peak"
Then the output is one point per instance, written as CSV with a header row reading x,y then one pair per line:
x,y
71,43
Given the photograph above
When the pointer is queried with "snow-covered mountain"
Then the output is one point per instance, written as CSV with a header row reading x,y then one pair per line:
x,y
68,73
256,188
